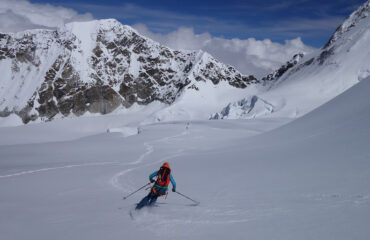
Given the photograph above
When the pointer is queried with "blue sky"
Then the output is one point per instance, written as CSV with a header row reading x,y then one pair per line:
x,y
312,20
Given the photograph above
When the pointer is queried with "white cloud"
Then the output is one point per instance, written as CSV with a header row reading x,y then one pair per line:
x,y
249,56
19,15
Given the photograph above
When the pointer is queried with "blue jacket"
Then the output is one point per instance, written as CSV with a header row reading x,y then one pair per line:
x,y
151,176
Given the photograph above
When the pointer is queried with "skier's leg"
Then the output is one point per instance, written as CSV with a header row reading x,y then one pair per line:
x,y
153,199
159,192
142,203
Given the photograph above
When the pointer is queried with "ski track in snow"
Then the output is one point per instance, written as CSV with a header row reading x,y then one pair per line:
x,y
149,149
56,168
219,214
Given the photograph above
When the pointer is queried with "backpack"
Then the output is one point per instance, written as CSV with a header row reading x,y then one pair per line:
x,y
163,176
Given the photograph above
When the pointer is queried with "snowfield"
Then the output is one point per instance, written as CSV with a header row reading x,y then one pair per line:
x,y
255,179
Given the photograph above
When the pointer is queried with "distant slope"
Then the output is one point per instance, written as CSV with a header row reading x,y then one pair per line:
x,y
343,119
341,63
306,82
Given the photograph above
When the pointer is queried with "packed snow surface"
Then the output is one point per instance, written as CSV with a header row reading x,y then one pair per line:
x,y
254,179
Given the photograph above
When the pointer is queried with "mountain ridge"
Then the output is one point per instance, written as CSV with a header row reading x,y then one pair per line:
x,y
96,67
101,65
308,81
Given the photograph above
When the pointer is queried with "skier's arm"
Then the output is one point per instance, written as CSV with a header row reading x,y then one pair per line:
x,y
173,182
151,176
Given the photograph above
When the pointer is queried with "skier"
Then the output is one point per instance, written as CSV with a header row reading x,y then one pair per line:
x,y
160,187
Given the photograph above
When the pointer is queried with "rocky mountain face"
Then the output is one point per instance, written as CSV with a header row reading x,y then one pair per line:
x,y
350,22
284,68
97,67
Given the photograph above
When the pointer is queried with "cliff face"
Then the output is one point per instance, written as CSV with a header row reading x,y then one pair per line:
x,y
97,67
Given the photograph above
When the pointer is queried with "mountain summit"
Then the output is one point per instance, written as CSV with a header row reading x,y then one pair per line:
x,y
306,82
102,65
319,77
96,67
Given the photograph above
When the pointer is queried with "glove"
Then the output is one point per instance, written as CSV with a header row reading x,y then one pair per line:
x,y
173,190
151,180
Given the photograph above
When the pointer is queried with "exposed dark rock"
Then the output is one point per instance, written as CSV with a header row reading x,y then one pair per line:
x,y
160,73
188,67
48,109
284,68
199,79
50,75
141,59
79,103
57,64
111,45
111,65
127,92
45,94
102,99
243,81
59,93
25,116
157,75
24,56
5,112
166,53
139,48
306,63
324,55
65,105
193,87
144,90
97,51
67,71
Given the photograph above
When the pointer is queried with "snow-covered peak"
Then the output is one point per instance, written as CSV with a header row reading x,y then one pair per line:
x,y
351,21
98,66
306,82
319,77
103,24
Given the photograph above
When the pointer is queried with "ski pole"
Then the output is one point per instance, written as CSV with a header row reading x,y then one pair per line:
x,y
136,191
187,197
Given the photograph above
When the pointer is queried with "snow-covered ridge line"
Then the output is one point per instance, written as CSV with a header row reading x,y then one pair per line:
x,y
101,66
351,21
306,82
97,67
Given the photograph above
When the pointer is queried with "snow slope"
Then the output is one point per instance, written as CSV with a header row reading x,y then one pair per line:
x,y
341,63
296,89
124,122
308,179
